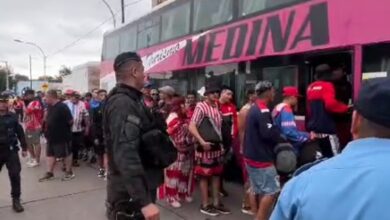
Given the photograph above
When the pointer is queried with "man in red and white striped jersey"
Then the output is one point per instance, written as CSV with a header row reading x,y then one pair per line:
x,y
209,153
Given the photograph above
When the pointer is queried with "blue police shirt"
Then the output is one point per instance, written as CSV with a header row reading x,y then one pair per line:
x,y
351,186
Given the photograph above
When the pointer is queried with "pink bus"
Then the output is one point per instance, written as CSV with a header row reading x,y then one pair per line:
x,y
240,42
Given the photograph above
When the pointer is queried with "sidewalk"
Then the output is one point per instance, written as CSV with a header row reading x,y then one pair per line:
x,y
83,198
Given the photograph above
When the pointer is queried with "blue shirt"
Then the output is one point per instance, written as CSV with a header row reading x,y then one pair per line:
x,y
354,185
284,118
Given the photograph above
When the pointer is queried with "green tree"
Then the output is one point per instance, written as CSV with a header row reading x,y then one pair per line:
x,y
64,71
3,82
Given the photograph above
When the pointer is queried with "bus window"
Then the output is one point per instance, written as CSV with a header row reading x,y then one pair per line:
x,y
209,13
248,7
176,22
128,39
280,77
111,46
148,32
376,61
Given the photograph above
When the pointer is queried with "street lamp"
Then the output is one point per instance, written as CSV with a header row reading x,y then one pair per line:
x,y
40,49
6,74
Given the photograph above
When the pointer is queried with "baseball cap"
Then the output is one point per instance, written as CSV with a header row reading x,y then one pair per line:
x,y
69,92
374,101
291,91
167,90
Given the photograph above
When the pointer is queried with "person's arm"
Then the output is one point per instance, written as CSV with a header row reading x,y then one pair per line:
x,y
86,120
126,136
21,136
289,128
68,115
235,122
241,124
331,103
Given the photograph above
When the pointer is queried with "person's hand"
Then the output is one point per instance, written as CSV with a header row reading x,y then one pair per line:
x,y
206,145
96,142
24,153
312,135
151,212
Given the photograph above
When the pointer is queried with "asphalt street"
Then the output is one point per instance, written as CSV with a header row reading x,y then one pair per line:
x,y
83,198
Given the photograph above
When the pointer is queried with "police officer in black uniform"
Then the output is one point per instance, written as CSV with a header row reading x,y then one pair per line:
x,y
10,132
131,186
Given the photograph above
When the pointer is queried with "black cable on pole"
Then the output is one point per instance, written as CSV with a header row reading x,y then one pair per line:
x,y
91,31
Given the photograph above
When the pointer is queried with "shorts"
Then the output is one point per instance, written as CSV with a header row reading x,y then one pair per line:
x,y
329,145
264,181
33,137
209,163
59,150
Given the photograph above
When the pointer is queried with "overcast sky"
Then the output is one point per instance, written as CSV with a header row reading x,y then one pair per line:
x,y
54,24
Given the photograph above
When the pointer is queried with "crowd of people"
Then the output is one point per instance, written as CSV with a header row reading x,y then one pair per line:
x,y
133,131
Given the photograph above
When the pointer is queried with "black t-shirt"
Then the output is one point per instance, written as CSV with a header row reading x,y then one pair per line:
x,y
58,123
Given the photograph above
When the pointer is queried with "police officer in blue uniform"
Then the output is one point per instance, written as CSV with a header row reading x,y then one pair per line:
x,y
11,133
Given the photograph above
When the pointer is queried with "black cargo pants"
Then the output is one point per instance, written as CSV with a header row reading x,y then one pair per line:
x,y
11,160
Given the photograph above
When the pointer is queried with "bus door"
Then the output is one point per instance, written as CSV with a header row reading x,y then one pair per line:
x,y
342,70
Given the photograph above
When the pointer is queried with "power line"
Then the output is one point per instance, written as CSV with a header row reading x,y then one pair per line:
x,y
73,43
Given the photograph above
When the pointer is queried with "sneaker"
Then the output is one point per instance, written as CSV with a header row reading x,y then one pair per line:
x,y
101,173
174,203
209,210
247,210
32,164
68,176
189,199
17,206
29,162
48,176
221,209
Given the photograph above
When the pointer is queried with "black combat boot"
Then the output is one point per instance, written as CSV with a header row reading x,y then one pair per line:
x,y
17,206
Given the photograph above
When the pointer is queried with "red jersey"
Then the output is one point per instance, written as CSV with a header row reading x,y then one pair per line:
x,y
229,109
34,116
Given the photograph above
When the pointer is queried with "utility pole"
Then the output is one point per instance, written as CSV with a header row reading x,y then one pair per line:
x,y
30,71
123,11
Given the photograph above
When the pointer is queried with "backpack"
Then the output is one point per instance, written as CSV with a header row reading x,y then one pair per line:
x,y
157,151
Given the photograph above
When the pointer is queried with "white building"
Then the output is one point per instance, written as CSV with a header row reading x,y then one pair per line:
x,y
84,77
